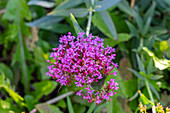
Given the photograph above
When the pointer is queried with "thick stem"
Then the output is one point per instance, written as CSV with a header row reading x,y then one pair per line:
x,y
150,95
89,22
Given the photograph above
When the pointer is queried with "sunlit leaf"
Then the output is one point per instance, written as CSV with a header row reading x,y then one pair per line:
x,y
159,63
77,28
144,99
163,45
5,83
42,3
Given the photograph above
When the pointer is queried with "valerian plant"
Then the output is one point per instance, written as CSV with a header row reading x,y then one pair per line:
x,y
84,61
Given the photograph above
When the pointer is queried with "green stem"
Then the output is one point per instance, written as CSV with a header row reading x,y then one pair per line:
x,y
150,95
89,22
24,71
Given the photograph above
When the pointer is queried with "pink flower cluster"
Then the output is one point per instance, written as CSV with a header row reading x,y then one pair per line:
x,y
84,60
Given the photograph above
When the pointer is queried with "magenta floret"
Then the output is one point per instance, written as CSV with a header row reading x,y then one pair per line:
x,y
84,60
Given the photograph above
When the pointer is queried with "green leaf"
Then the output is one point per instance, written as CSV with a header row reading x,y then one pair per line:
x,y
150,67
6,70
29,103
109,23
90,110
44,21
156,77
79,108
124,6
144,99
154,91
17,9
133,30
136,74
43,88
69,4
99,23
61,104
150,12
100,107
46,108
138,21
159,63
5,83
122,37
42,3
70,107
147,25
77,28
140,64
114,106
50,23
134,96
78,12
105,4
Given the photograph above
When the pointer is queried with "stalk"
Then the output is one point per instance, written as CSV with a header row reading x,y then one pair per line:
x,y
89,20
150,95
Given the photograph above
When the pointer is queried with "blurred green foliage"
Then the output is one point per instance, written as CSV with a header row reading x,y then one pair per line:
x,y
30,28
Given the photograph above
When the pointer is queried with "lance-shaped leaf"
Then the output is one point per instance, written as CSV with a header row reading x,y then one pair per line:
x,y
50,23
136,74
105,4
139,21
147,25
124,6
133,29
154,90
78,12
140,64
109,23
69,4
90,110
150,11
42,3
70,107
144,99
76,25
156,77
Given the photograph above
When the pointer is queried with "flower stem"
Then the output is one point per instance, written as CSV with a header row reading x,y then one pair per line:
x,y
89,22
151,96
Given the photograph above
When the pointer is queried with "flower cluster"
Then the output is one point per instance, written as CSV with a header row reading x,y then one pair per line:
x,y
142,108
84,60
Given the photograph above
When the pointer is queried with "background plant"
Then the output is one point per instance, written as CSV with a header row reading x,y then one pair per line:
x,y
138,29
